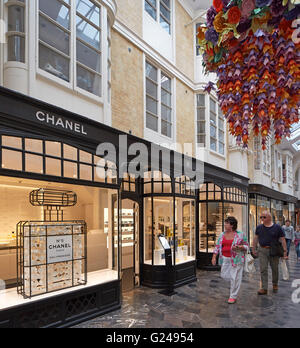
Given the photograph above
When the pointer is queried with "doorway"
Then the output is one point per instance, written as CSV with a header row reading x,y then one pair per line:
x,y
130,245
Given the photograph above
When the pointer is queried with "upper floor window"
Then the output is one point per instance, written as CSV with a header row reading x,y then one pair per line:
x,y
257,153
16,31
287,170
160,10
56,32
267,158
198,53
201,120
217,128
158,101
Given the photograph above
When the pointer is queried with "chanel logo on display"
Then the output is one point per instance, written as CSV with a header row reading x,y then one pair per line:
x,y
60,122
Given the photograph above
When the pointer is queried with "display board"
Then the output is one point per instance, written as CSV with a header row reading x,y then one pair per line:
x,y
51,256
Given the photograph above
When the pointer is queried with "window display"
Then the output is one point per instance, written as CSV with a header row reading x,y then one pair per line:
x,y
94,206
51,255
216,204
162,212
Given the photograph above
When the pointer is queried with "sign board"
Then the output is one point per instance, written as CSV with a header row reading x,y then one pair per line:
x,y
59,249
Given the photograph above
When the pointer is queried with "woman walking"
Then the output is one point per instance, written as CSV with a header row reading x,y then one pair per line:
x,y
297,242
231,248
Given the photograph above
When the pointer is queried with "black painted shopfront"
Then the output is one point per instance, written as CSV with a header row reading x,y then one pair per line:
x,y
45,147
222,194
281,206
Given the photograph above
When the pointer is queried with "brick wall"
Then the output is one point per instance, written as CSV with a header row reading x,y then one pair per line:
x,y
127,86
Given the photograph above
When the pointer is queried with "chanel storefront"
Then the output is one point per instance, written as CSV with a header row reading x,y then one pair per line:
x,y
59,212
74,235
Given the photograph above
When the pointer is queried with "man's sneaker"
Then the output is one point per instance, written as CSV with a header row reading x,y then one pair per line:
x,y
275,289
262,292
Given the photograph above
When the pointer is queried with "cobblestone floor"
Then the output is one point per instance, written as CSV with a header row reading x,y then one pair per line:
x,y
203,305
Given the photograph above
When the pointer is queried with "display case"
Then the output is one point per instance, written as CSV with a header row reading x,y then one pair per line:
x,y
51,254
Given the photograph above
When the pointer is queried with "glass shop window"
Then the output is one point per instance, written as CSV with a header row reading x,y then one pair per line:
x,y
157,182
161,221
185,233
128,183
185,186
94,206
55,158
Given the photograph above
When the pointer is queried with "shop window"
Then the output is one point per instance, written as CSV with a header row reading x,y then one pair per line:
x,y
185,232
172,217
85,157
34,164
70,153
45,157
213,209
86,172
210,192
11,160
53,148
95,206
70,170
33,145
13,142
253,221
185,186
16,31
53,166
156,182
128,183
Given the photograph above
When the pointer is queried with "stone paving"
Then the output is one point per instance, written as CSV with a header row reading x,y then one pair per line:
x,y
203,304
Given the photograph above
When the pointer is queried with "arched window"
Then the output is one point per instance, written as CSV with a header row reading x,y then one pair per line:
x,y
157,182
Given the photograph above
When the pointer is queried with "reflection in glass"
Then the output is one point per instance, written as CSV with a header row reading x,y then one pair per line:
x,y
185,232
253,220
57,11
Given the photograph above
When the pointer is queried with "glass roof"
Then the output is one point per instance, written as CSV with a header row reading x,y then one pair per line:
x,y
295,136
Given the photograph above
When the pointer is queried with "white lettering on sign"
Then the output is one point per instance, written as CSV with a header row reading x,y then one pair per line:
x,y
59,249
60,122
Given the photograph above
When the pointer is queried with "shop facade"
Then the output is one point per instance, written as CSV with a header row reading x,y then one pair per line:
x,y
56,192
59,245
281,206
221,195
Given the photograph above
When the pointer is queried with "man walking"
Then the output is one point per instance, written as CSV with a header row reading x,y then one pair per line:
x,y
288,229
266,234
